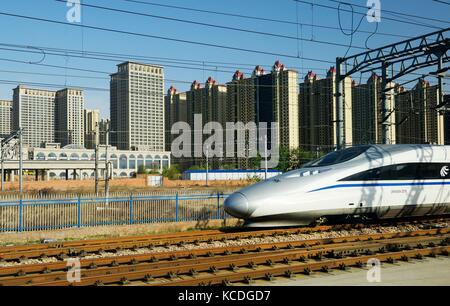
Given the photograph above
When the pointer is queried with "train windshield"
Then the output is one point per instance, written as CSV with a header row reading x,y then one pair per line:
x,y
337,157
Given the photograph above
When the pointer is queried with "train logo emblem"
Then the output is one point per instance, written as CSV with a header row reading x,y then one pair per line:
x,y
444,171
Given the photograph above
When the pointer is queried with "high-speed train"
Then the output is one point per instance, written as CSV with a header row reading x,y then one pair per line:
x,y
368,182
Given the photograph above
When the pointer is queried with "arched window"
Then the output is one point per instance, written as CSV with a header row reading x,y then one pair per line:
x,y
85,156
140,161
123,162
40,156
62,175
165,163
132,162
113,159
156,163
52,156
148,161
74,156
63,156
123,174
103,156
52,175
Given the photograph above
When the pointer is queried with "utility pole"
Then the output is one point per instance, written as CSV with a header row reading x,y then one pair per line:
x,y
440,102
207,167
265,156
340,138
107,172
96,158
3,167
384,104
20,161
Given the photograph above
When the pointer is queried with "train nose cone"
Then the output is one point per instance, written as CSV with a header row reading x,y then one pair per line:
x,y
237,205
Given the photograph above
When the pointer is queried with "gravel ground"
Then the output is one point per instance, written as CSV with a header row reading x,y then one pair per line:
x,y
239,242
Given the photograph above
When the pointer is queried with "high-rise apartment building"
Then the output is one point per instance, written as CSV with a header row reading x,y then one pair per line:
x,y
269,98
91,122
210,102
5,118
34,111
175,111
418,120
317,118
137,107
367,111
102,129
69,113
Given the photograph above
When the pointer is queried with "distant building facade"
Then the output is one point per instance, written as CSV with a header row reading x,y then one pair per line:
x,y
69,117
209,102
175,111
34,111
91,127
418,120
367,111
447,120
268,98
125,163
5,118
318,112
137,107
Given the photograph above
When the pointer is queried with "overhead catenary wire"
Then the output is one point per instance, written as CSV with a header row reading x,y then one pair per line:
x,y
394,12
178,40
361,13
215,26
67,53
258,18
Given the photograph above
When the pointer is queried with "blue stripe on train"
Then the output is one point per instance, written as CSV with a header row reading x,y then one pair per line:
x,y
382,185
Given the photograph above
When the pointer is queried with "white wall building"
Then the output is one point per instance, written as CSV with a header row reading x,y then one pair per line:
x,y
125,164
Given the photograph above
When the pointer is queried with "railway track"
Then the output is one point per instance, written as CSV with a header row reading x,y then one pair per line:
x,y
225,265
83,248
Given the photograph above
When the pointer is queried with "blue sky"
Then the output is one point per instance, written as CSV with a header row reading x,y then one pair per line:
x,y
33,33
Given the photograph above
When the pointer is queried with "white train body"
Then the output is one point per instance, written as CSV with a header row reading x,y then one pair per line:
x,y
377,181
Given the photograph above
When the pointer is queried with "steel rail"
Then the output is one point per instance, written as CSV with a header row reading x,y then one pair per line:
x,y
206,252
290,269
162,269
92,274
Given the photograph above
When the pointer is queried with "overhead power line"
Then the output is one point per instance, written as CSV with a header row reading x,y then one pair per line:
x,y
393,12
121,57
364,14
216,26
112,57
85,26
255,17
443,2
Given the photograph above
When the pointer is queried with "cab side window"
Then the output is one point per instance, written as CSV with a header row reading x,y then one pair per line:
x,y
412,171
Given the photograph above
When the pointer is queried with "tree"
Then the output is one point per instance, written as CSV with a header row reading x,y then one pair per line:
x,y
172,173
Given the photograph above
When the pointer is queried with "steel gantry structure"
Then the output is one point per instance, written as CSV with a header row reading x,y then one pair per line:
x,y
394,61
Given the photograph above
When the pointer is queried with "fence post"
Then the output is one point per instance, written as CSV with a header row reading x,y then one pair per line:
x,y
218,205
176,207
79,212
20,215
131,209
